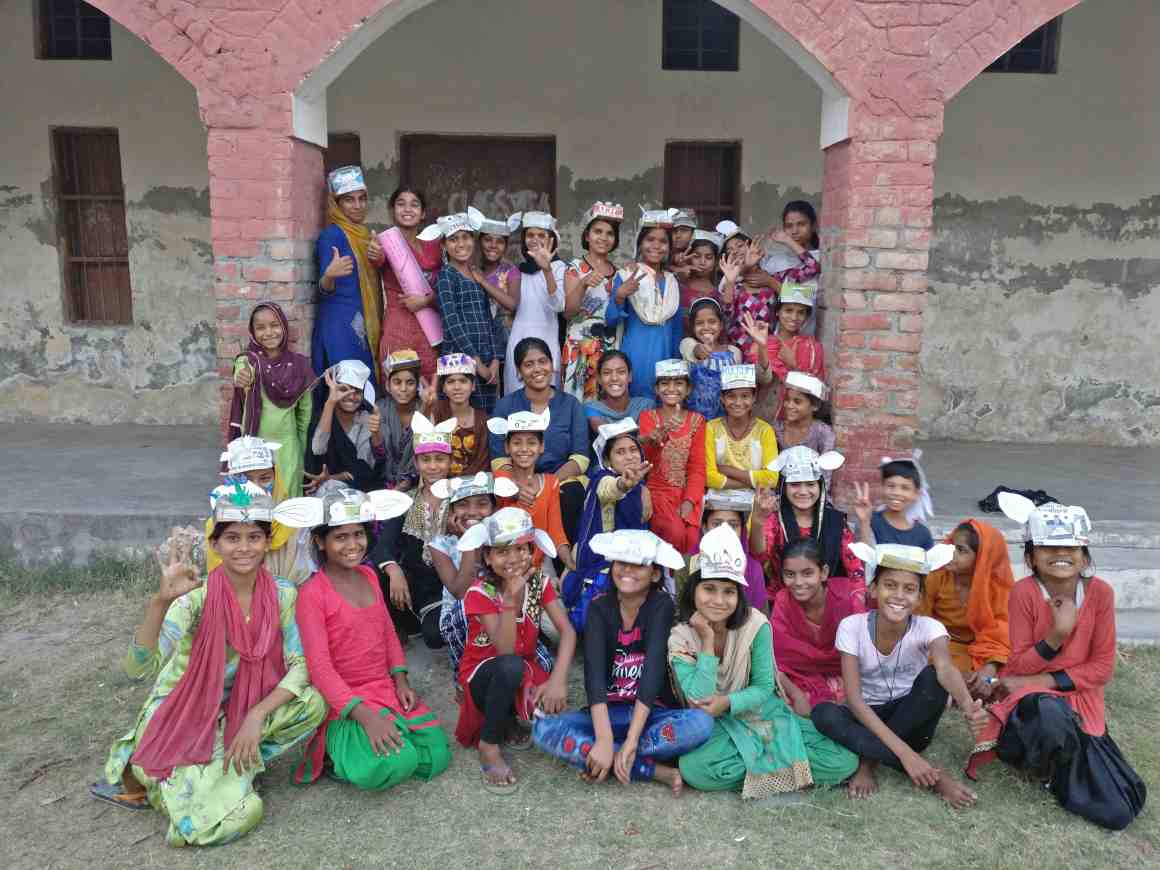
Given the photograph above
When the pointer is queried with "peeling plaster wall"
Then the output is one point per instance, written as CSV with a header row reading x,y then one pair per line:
x,y
160,369
530,68
1045,266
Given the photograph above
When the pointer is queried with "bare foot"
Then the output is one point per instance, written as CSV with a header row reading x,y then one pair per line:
x,y
495,769
671,776
863,783
954,792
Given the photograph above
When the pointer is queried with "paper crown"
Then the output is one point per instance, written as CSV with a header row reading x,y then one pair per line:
x,y
656,217
448,225
721,555
798,293
539,220
636,547
507,527
429,437
671,368
715,239
354,373
603,211
492,227
342,507
728,230
740,500
483,483
609,432
241,503
806,384
685,217
1049,525
249,453
801,464
519,421
455,364
401,359
902,558
739,377
923,506
346,179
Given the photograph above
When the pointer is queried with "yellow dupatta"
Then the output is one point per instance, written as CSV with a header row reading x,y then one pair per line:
x,y
359,236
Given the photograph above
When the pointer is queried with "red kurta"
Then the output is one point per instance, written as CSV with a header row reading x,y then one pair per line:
x,y
401,328
805,652
808,355
678,474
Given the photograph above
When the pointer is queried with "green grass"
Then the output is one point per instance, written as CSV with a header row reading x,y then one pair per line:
x,y
64,700
102,574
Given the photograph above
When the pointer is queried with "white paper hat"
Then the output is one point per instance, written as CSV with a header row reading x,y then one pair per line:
x,y
454,364
539,220
738,377
346,179
428,437
448,225
685,217
342,507
249,453
505,528
607,211
806,384
801,464
520,421
241,503
721,555
903,558
492,227
715,239
671,368
805,293
636,547
1049,525
923,506
483,483
655,217
740,500
610,431
727,230
354,373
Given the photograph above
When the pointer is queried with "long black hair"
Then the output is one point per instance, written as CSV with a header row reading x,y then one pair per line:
x,y
321,533
804,208
406,188
686,605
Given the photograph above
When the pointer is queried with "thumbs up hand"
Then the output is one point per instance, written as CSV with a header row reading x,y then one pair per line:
x,y
339,267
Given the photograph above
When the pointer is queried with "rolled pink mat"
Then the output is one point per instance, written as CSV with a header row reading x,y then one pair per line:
x,y
411,280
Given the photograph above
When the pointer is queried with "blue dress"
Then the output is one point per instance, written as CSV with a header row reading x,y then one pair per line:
x,y
705,397
644,344
339,326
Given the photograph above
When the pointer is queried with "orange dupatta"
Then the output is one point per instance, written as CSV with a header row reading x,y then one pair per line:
x,y
369,281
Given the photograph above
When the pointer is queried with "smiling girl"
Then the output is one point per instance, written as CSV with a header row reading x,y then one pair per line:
x,y
453,387
787,350
708,352
587,285
802,402
541,294
346,441
739,447
401,328
396,406
613,402
701,280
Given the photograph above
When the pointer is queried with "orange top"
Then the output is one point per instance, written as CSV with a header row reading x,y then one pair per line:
x,y
545,511
978,629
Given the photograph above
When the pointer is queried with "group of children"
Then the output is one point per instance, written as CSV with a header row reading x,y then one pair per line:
x,y
655,495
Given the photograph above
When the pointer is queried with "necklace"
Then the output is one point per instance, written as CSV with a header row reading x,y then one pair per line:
x,y
892,681
597,271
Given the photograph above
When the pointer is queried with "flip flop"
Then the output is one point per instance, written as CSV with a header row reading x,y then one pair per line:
x,y
111,793
519,739
497,787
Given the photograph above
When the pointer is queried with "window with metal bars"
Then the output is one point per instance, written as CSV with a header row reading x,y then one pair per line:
x,y
699,35
1038,52
73,30
93,240
706,177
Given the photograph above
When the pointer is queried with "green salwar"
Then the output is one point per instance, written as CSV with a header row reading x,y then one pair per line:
x,y
288,427
425,753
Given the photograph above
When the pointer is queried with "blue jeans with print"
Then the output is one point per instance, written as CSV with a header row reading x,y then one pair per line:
x,y
668,734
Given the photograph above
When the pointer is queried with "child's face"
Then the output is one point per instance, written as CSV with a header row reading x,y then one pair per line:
x,y
803,494
716,600
493,247
724,518
738,403
672,392
633,579
354,206
735,244
458,388
536,369
535,238
791,316
1062,564
963,564
242,547
268,329
509,563
525,449
468,512
681,237
897,593
899,493
623,455
703,261
805,579
614,378
350,398
654,246
433,466
460,246
345,546
403,386
707,327
408,210
263,477
799,227
798,406
601,237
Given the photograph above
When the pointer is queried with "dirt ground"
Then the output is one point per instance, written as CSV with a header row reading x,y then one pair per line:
x,y
63,699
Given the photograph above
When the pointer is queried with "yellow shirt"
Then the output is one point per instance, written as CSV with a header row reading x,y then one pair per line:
x,y
752,453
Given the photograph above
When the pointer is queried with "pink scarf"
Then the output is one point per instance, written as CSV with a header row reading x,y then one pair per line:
x,y
183,728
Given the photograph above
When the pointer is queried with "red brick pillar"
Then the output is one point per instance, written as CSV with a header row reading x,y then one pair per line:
x,y
266,204
877,206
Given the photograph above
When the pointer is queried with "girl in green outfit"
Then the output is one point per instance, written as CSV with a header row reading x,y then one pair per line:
x,y
721,654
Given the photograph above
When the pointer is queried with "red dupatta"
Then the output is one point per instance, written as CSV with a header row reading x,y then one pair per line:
x,y
805,653
184,726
